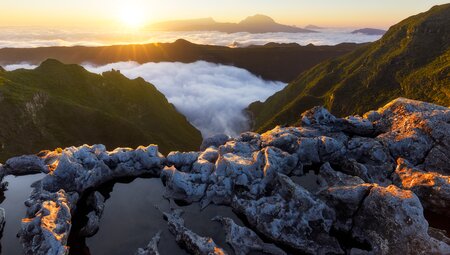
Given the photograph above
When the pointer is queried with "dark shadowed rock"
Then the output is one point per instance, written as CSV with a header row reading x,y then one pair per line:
x,y
391,221
192,242
214,141
244,240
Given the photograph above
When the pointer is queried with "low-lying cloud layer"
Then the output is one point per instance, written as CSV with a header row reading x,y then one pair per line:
x,y
211,96
39,37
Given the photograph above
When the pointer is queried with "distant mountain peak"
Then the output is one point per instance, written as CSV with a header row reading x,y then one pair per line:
x,y
258,23
258,19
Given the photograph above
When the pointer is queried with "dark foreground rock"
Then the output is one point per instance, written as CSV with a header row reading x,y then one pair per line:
x,y
374,176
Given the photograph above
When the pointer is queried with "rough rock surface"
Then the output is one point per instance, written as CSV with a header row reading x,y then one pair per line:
x,y
355,159
433,189
97,202
189,240
375,174
71,172
244,240
2,220
152,246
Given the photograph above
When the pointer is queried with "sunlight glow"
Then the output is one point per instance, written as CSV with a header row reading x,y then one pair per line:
x,y
132,17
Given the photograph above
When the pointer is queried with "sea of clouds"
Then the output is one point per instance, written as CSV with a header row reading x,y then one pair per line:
x,y
24,37
211,96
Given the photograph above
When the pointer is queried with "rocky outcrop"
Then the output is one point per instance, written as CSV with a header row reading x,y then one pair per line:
x,y
71,172
97,202
433,189
244,240
375,174
192,242
355,159
2,220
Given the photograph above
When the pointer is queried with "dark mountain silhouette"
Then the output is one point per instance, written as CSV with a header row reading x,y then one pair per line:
x,y
411,60
369,31
313,27
253,24
59,105
273,61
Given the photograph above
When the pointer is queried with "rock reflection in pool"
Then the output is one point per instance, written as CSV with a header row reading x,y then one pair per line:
x,y
19,189
131,218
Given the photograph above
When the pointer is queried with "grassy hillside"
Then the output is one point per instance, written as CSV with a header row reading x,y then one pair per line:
x,y
411,60
59,105
282,62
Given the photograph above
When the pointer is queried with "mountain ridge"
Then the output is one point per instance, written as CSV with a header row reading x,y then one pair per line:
x,y
271,61
411,60
258,23
56,105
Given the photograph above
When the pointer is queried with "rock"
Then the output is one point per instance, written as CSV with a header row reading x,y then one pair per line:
x,y
23,165
182,160
290,215
433,189
354,159
373,160
2,220
214,141
152,246
183,186
91,226
391,220
189,240
418,132
47,228
97,202
244,240
72,172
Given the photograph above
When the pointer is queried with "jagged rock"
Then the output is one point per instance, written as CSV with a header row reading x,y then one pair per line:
x,y
439,234
433,189
244,240
182,160
47,228
374,157
291,216
183,186
418,132
73,171
152,246
391,221
333,178
23,165
362,149
2,220
189,240
354,159
97,202
214,141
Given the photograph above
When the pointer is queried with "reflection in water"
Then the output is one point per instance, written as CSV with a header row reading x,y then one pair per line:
x,y
14,197
131,218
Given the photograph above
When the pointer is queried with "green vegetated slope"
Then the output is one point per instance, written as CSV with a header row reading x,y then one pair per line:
x,y
411,60
59,105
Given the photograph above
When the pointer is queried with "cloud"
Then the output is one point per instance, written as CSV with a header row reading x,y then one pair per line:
x,y
40,37
19,66
211,96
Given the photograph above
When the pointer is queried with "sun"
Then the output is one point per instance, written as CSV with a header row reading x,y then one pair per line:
x,y
132,17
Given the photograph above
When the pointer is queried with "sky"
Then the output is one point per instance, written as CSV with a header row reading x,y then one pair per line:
x,y
116,13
